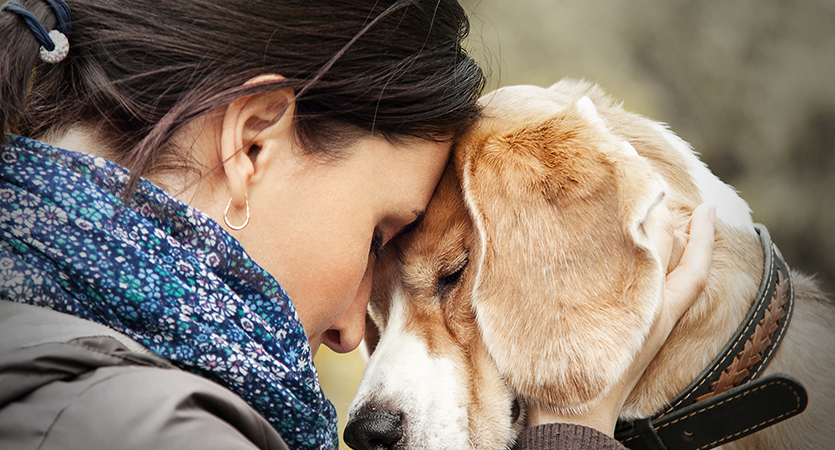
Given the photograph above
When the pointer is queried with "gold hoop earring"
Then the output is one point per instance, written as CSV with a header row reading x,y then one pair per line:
x,y
226,215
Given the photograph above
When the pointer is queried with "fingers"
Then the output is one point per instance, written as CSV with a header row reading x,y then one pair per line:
x,y
688,279
682,286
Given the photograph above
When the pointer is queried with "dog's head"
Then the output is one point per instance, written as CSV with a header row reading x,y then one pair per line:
x,y
532,278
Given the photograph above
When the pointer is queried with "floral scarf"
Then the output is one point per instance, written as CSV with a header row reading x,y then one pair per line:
x,y
160,272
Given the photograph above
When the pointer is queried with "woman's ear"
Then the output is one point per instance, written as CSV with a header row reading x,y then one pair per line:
x,y
254,128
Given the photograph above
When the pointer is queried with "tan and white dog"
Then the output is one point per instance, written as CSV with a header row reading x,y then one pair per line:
x,y
532,279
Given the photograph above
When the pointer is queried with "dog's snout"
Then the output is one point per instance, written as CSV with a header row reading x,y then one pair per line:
x,y
374,429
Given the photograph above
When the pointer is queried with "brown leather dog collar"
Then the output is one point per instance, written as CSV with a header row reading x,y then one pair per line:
x,y
729,400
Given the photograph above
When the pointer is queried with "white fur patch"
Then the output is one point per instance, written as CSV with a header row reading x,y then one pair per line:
x,y
628,149
402,376
730,207
589,112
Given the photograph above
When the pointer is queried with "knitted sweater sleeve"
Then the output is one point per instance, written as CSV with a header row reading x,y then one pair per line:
x,y
561,436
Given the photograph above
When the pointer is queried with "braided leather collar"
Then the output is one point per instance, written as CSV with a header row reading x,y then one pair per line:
x,y
728,401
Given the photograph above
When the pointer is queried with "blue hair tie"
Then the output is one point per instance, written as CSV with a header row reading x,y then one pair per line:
x,y
54,44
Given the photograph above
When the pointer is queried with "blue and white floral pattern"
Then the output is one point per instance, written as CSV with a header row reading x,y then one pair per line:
x,y
160,272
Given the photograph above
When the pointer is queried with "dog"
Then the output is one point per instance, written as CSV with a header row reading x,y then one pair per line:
x,y
531,279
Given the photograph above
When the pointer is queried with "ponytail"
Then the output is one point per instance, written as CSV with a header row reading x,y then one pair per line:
x,y
18,60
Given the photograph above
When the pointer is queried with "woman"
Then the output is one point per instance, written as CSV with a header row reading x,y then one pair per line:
x,y
280,141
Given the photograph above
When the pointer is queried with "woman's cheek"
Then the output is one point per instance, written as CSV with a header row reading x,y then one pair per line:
x,y
339,283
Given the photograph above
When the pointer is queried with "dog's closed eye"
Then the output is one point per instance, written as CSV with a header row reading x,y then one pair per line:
x,y
448,282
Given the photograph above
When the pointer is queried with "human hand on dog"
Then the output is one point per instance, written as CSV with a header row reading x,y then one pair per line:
x,y
682,286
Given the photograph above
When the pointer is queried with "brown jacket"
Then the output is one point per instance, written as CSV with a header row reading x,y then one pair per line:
x,y
565,437
67,383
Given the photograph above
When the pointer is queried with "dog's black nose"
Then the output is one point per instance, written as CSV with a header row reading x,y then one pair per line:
x,y
373,429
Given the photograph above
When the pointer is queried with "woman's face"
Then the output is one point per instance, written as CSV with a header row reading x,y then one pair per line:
x,y
314,225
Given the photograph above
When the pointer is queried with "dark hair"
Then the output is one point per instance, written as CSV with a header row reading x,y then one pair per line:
x,y
138,70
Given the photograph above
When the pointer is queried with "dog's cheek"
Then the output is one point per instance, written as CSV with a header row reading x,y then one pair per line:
x,y
495,416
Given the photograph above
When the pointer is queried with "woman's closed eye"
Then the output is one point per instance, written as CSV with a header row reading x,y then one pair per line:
x,y
378,240
377,243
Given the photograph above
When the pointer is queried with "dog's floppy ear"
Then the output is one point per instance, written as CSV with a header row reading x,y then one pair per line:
x,y
567,283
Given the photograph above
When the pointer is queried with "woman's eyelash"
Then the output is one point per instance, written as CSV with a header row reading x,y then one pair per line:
x,y
377,244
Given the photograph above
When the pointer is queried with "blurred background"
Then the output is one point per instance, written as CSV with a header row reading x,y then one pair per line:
x,y
749,83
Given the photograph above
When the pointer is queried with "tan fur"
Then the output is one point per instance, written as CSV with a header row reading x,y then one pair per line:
x,y
555,181
549,209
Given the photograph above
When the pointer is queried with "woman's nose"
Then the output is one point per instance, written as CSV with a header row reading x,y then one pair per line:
x,y
348,331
